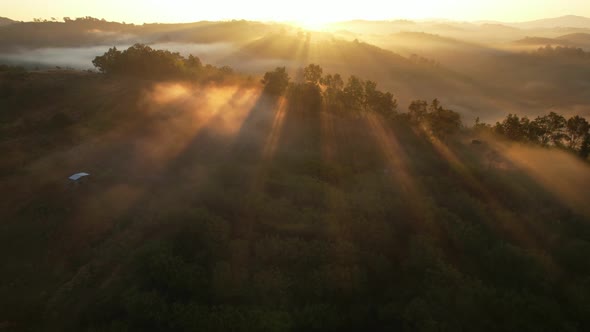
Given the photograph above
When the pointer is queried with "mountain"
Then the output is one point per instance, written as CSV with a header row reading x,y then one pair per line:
x,y
6,21
569,21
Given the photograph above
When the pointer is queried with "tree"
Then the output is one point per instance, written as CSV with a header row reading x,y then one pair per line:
x,y
276,82
305,97
418,110
141,60
443,122
333,95
576,130
334,82
312,73
511,127
193,62
434,106
377,101
479,126
354,93
108,62
530,130
371,95
550,128
385,104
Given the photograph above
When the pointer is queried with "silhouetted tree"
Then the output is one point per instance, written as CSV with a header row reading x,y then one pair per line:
x,y
334,82
193,62
312,73
109,62
333,94
512,127
141,60
354,93
418,110
377,101
371,94
305,97
481,126
442,122
276,82
576,130
551,128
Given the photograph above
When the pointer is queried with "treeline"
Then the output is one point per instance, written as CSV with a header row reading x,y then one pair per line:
x,y
565,51
142,61
313,91
356,96
11,69
549,130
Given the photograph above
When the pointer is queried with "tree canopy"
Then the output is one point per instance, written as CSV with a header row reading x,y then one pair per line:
x,y
142,61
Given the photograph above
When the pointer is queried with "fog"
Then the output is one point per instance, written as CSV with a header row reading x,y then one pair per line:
x,y
480,70
76,58
81,57
559,172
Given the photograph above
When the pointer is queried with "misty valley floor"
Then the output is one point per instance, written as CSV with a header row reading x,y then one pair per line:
x,y
219,208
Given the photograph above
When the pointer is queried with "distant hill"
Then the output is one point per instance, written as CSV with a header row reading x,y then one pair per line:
x,y
90,31
541,41
430,39
6,21
499,28
580,40
576,37
569,21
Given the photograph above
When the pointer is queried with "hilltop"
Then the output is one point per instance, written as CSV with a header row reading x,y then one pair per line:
x,y
568,21
5,21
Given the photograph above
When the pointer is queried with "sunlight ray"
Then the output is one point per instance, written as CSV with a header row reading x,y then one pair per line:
x,y
396,160
274,136
504,220
562,174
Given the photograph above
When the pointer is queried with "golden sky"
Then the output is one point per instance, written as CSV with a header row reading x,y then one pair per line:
x,y
303,11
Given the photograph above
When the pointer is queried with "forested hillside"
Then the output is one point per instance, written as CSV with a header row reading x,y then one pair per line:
x,y
295,201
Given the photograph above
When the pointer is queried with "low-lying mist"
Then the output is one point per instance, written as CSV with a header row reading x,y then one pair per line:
x,y
559,172
480,70
81,57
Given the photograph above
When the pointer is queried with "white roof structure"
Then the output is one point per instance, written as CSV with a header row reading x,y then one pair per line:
x,y
78,176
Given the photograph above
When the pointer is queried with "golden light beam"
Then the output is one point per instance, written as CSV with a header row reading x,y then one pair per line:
x,y
506,222
185,114
559,172
270,145
396,159
179,115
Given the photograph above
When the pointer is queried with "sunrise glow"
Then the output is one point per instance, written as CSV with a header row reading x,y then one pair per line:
x,y
308,13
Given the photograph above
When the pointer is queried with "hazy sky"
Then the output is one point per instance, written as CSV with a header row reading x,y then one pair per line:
x,y
305,11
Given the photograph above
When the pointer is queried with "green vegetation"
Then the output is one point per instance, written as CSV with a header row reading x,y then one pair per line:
x,y
548,130
325,208
142,61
